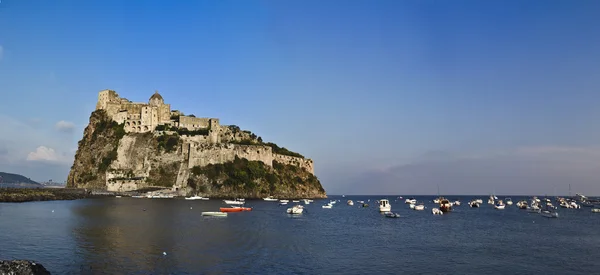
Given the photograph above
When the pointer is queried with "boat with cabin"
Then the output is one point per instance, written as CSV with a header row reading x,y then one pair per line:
x,y
445,205
384,205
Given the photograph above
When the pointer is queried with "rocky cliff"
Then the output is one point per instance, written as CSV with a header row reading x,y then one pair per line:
x,y
239,164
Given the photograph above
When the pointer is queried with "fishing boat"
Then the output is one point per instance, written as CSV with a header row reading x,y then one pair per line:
x,y
296,209
215,214
384,205
391,215
445,205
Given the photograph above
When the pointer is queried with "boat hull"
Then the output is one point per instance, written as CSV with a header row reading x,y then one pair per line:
x,y
214,214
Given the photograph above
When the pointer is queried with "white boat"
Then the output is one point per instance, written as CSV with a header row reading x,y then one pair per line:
x,y
306,201
204,199
549,214
412,206
295,201
436,201
500,205
270,198
350,202
391,215
215,214
436,211
283,203
286,201
509,201
138,197
419,207
574,205
117,196
233,202
327,206
384,206
193,198
457,203
474,203
296,209
595,210
480,201
410,201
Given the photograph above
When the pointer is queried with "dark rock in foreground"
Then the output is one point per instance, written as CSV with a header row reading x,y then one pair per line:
x,y
22,267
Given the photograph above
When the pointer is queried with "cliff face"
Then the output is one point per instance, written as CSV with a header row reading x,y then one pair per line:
x,y
239,165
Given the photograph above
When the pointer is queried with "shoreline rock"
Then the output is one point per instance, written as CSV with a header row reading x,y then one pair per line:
x,y
22,267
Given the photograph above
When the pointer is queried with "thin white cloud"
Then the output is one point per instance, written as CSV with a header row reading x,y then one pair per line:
x,y
65,126
43,153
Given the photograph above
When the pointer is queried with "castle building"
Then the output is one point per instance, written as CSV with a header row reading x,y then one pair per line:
x,y
144,117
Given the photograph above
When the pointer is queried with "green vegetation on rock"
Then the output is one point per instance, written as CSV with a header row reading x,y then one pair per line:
x,y
254,178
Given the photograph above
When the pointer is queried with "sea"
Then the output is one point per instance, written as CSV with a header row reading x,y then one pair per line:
x,y
169,236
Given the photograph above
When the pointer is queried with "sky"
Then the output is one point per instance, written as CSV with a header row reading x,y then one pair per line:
x,y
387,97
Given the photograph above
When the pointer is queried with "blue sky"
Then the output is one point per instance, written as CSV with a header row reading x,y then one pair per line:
x,y
384,95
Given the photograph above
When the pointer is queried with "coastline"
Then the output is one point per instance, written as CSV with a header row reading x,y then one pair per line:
x,y
16,195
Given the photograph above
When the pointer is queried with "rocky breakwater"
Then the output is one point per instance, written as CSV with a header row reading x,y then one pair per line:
x,y
208,159
42,194
22,267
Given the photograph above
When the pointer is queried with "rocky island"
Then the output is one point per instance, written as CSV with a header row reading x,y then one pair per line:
x,y
129,146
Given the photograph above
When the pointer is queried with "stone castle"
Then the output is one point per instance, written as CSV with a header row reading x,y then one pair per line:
x,y
217,144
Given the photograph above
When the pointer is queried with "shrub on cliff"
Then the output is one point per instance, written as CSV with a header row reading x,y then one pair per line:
x,y
168,143
255,176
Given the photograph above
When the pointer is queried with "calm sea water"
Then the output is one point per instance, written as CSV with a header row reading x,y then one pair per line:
x,y
116,236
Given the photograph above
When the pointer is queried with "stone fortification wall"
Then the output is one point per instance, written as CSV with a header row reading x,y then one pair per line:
x,y
205,154
193,123
306,164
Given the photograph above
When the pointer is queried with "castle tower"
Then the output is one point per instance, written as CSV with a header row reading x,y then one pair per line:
x,y
156,99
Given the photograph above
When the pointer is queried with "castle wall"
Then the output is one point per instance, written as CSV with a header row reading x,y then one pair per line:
x,y
307,164
164,113
193,123
202,155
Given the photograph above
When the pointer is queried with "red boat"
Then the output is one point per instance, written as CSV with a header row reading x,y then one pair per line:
x,y
235,209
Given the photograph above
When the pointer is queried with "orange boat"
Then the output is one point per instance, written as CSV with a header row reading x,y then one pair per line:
x,y
235,209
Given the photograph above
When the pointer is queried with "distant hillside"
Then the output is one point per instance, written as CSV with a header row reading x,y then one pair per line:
x,y
14,178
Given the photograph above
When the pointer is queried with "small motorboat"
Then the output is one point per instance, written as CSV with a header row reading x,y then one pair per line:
x,y
419,207
595,210
391,215
384,206
214,214
508,201
457,203
522,204
296,209
500,205
549,214
445,205
234,202
283,203
327,206
117,196
350,202
474,203
193,198
234,209
270,198
436,211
